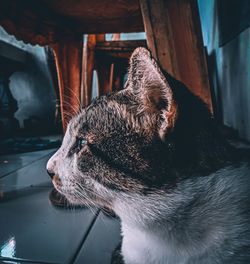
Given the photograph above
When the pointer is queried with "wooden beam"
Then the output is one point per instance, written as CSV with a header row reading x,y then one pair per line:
x,y
100,38
119,49
68,57
174,37
95,16
115,37
88,67
105,57
46,22
111,77
120,45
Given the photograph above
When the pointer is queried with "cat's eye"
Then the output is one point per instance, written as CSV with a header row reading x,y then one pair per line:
x,y
81,142
78,145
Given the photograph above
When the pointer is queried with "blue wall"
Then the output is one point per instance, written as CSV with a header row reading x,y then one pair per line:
x,y
229,67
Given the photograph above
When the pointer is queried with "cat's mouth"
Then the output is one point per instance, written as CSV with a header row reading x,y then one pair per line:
x,y
69,196
75,196
62,190
57,184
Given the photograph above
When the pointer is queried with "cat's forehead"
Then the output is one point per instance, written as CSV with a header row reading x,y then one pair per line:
x,y
72,129
101,111
76,124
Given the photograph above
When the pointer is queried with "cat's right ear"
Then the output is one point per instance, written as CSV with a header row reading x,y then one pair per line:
x,y
150,86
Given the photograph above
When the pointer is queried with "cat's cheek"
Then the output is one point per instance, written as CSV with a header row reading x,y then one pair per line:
x,y
85,161
85,151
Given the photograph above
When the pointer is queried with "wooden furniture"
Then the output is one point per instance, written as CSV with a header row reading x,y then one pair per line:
x,y
110,60
172,28
174,37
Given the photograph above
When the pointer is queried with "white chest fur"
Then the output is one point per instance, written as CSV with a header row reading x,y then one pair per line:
x,y
143,246
190,224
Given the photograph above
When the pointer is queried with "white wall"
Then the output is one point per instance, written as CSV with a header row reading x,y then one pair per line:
x,y
32,87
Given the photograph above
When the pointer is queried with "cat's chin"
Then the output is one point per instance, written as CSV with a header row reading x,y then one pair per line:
x,y
85,198
74,201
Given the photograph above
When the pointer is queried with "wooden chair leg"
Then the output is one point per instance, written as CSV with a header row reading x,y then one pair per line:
x,y
174,36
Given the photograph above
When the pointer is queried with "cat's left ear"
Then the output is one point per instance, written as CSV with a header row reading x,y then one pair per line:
x,y
151,88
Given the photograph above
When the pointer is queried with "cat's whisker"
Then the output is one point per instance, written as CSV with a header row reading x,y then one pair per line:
x,y
93,192
76,96
82,189
83,198
74,109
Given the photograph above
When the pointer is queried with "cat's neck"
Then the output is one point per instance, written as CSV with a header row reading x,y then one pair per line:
x,y
189,219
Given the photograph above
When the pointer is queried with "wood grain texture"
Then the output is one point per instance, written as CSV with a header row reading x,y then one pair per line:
x,y
174,37
68,58
48,21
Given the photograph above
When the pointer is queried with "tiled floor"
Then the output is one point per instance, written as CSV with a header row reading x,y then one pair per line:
x,y
32,230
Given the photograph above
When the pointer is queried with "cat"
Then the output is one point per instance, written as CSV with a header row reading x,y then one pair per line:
x,y
153,154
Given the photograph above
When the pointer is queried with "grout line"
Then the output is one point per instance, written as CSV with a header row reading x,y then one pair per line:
x,y
19,260
24,166
84,238
16,194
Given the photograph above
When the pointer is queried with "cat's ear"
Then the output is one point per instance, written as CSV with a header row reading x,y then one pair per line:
x,y
151,88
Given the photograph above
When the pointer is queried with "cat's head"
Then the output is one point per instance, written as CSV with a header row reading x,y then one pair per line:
x,y
137,140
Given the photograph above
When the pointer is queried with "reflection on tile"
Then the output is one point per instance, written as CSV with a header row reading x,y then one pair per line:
x,y
8,249
10,261
41,231
29,176
32,230
10,163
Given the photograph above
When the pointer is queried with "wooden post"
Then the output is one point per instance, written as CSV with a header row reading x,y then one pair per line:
x,y
115,37
111,76
174,37
68,57
88,66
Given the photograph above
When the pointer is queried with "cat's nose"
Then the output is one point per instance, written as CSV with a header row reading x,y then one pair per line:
x,y
51,174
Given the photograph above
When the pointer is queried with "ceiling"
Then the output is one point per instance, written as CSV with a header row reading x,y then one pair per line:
x,y
93,16
45,22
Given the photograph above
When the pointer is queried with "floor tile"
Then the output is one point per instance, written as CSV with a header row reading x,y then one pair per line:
x,y
28,176
103,238
11,163
33,229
